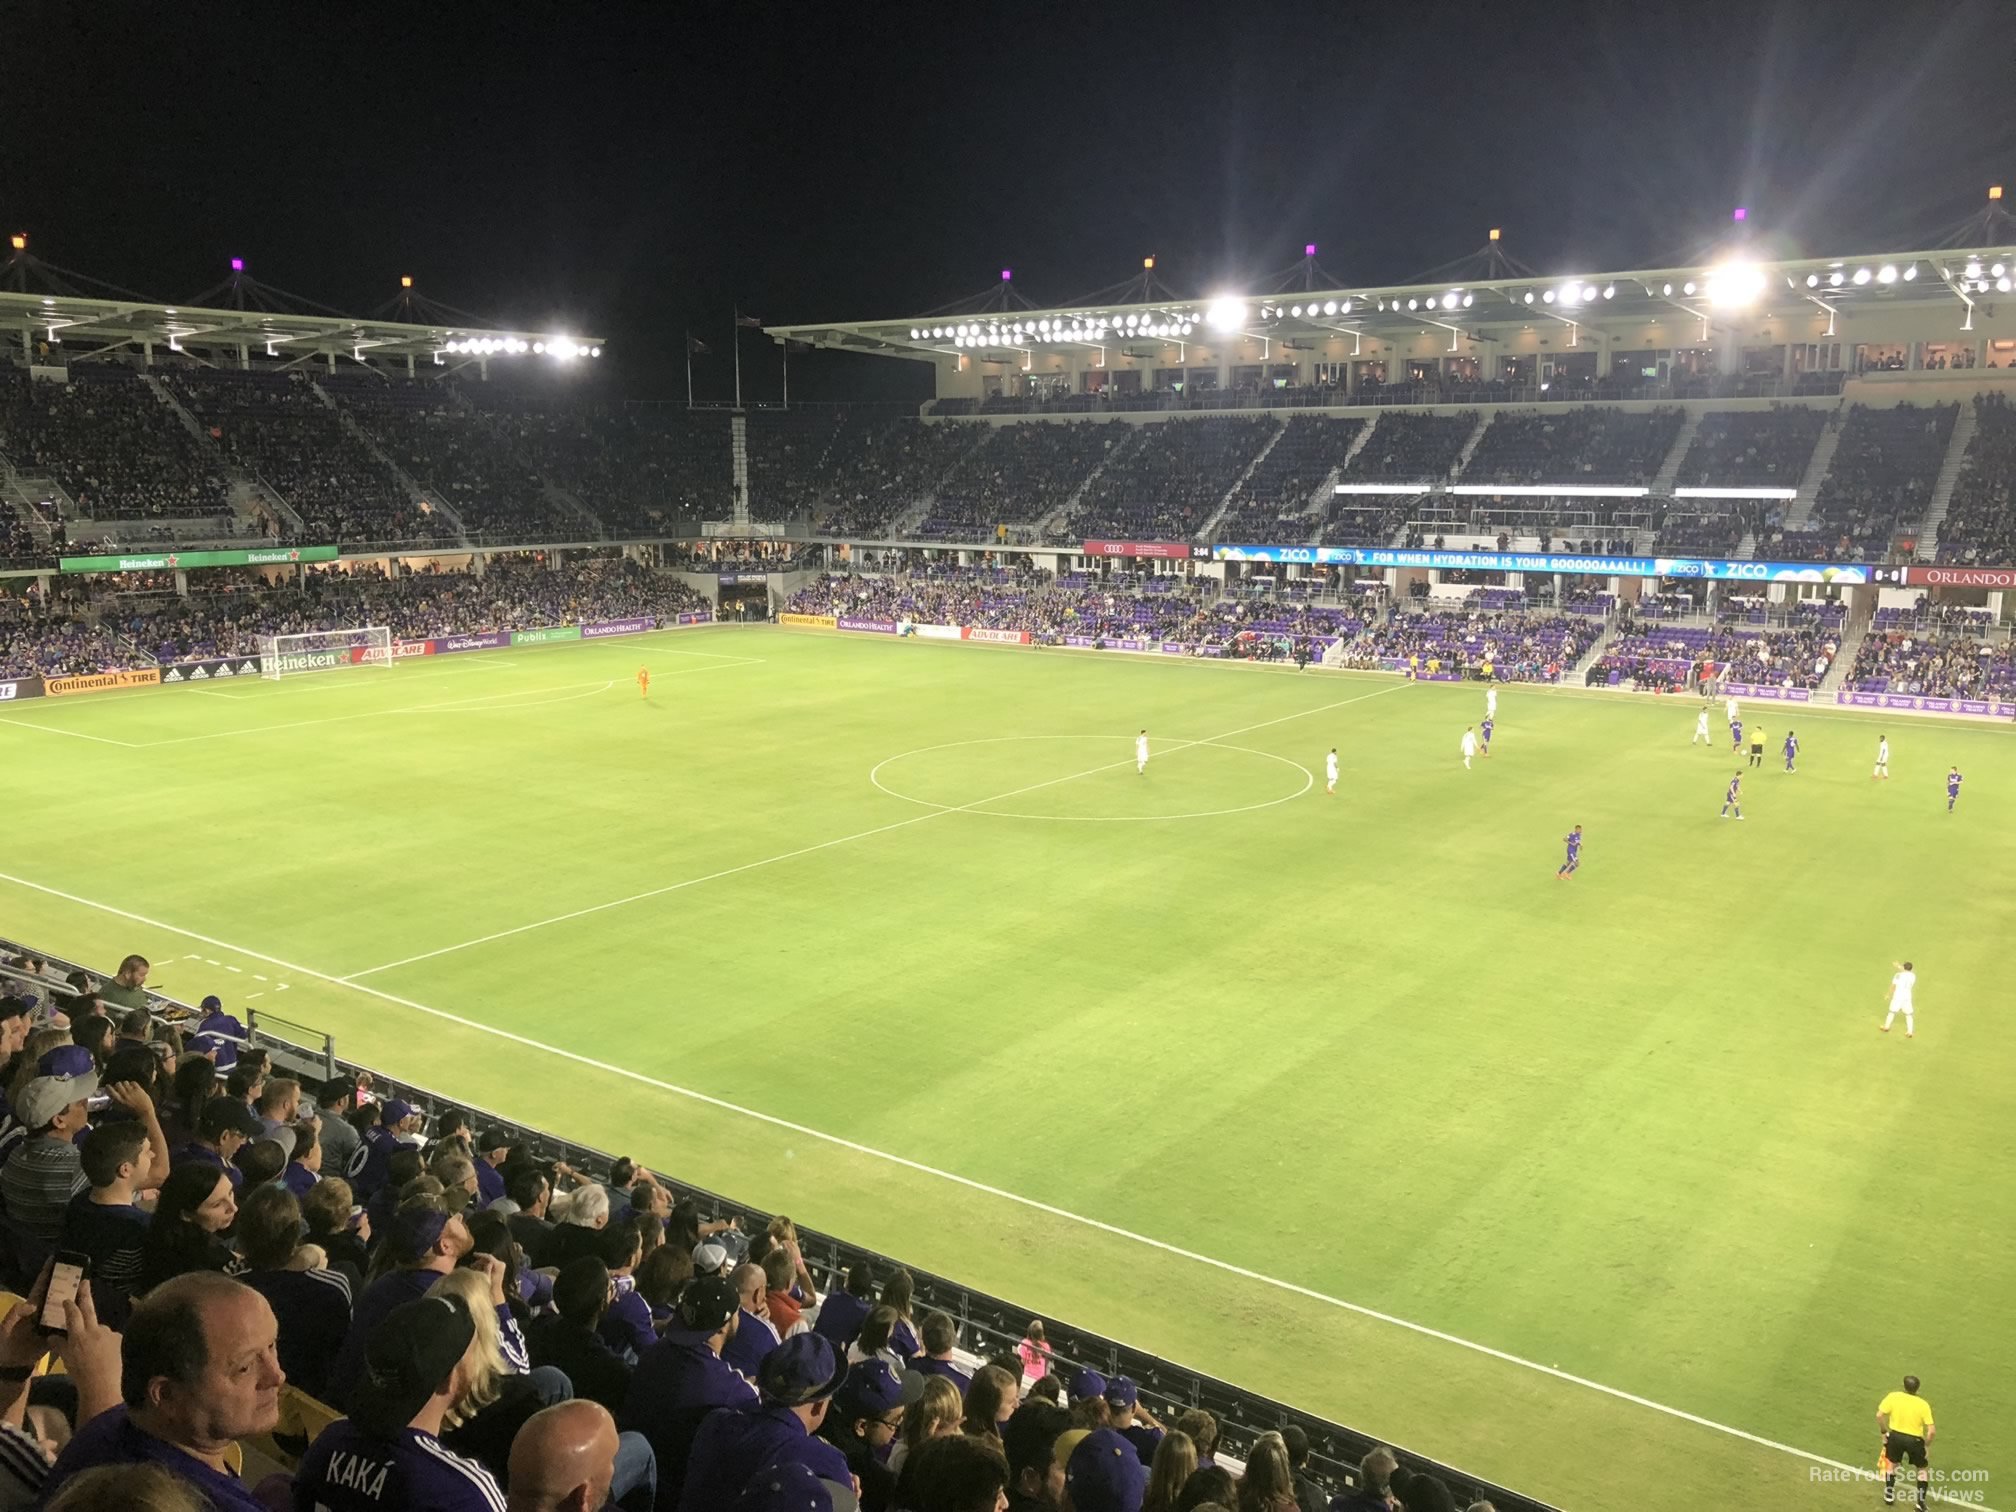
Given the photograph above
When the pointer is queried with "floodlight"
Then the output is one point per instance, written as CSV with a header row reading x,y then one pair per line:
x,y
1812,280
1734,284
1887,273
1346,307
1007,274
1148,262
1529,295
1609,291
538,349
1226,313
1494,233
1329,307
1548,297
1570,293
406,280
564,348
1741,214
1411,304
1133,320
1667,290
2002,285
1998,270
1910,271
18,241
1995,192
1687,287
1834,279
1468,300
1973,267
594,351
1862,276
237,265
1310,249
1588,293
1296,311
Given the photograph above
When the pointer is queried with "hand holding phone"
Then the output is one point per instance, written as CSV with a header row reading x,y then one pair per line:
x,y
66,1274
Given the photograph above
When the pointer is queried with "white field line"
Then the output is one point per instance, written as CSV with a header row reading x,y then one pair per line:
x,y
807,850
30,724
1194,1257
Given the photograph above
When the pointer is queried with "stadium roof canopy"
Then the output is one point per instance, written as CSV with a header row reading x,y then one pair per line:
x,y
109,324
1147,311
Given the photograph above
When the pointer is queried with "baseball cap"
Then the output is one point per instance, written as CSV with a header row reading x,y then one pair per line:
x,y
1068,1440
415,1229
1104,1474
873,1389
65,1075
408,1357
211,1004
493,1138
705,1305
790,1486
708,1258
228,1115
1121,1392
395,1112
14,1007
804,1368
1086,1383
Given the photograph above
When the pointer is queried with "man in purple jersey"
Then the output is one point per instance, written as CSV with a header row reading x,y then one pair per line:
x,y
387,1452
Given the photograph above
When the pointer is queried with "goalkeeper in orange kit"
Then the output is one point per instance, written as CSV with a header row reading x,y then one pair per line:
x,y
643,682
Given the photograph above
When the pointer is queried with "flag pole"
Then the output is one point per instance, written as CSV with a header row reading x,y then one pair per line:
x,y
787,375
736,335
689,370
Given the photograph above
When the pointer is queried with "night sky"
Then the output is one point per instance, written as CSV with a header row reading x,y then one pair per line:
x,y
636,171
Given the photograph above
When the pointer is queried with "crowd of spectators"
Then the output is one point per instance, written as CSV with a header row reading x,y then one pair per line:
x,y
110,441
1412,447
279,428
1272,504
38,640
877,468
1517,646
1752,448
1675,656
446,447
1880,482
787,448
1980,523
1167,482
1706,527
1019,474
20,545
1583,445
1937,665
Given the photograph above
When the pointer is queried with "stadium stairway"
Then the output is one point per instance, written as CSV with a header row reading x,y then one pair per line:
x,y
21,494
1852,635
1208,531
414,491
241,490
1056,519
1942,490
1363,436
567,503
1801,509
1484,418
738,456
1669,469
249,493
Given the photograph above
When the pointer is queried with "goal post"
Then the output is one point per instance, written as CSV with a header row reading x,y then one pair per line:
x,y
324,651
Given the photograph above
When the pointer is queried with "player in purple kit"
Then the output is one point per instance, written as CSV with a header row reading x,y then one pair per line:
x,y
1490,723
1952,788
1734,797
1791,751
1736,736
1567,868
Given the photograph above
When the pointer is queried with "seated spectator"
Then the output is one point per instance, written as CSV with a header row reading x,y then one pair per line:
x,y
1418,1492
219,1035
498,1394
1308,1495
1035,1476
1269,1483
457,1174
191,1088
221,1131
89,1354
955,1474
866,1416
579,1217
1175,1462
531,1190
128,1488
682,1378
421,1244
796,1386
841,1314
127,989
568,1338
754,1337
1203,1430
341,1234
490,1151
310,1302
660,1279
261,1162
791,1291
279,1103
626,1326
1103,1474
380,1138
564,1459
896,1293
334,1100
941,1336
199,1371
196,1206
1035,1353
304,1164
991,1400
118,1161
935,1414
45,1170
1375,1483
1211,1486
405,1177
388,1452
1128,1418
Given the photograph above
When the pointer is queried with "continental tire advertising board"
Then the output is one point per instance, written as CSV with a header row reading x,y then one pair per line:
x,y
101,682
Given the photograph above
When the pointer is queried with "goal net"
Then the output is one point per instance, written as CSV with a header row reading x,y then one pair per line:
x,y
324,651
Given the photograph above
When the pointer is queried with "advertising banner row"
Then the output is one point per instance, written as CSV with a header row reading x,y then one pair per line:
x,y
212,669
1843,574
922,632
168,561
1916,703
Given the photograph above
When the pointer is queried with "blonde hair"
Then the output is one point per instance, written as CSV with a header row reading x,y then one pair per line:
x,y
484,1386
782,1229
1175,1462
937,1412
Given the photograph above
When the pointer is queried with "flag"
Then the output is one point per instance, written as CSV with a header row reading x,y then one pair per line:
x,y
695,347
750,321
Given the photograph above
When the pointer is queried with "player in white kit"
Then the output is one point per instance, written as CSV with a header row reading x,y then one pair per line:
x,y
1330,771
1701,728
1730,704
1491,702
1469,746
1900,998
1882,758
1141,753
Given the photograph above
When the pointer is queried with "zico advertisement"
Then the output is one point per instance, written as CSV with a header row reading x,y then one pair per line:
x,y
1520,561
99,682
20,687
276,556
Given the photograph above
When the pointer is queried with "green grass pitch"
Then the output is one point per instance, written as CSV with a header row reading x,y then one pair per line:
x,y
914,900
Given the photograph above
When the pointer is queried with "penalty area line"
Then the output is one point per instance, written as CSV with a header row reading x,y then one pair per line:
x,y
971,1184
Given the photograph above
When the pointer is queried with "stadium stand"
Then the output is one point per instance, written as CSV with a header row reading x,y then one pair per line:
x,y
116,448
1905,660
1880,482
324,1305
1019,474
1980,523
281,429
1408,446
1752,448
1583,445
1271,503
876,468
1170,478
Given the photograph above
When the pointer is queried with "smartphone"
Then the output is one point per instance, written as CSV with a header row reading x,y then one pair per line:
x,y
65,1276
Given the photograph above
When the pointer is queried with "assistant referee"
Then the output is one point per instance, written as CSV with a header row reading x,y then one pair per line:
x,y
1904,1424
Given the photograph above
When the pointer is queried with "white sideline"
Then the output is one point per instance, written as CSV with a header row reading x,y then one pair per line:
x,y
807,850
1034,1204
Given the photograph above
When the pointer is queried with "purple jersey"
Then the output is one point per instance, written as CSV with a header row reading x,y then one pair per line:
x,y
1952,784
1735,786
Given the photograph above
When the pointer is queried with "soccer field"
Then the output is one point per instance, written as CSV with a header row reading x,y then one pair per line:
x,y
1347,1099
